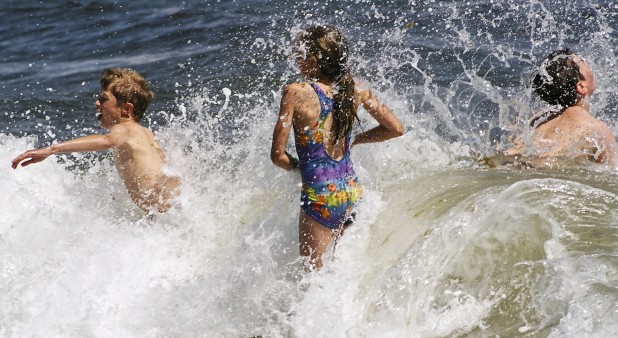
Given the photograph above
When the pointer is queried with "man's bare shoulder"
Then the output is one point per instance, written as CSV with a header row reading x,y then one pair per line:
x,y
577,114
574,120
591,123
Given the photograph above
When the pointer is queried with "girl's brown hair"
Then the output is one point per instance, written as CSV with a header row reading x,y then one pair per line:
x,y
328,45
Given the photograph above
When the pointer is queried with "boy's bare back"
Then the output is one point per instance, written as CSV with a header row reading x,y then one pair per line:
x,y
139,161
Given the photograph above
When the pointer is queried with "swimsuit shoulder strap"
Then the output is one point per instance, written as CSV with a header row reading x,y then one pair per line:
x,y
326,103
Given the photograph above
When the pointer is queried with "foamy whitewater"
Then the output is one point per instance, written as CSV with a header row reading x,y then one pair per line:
x,y
442,247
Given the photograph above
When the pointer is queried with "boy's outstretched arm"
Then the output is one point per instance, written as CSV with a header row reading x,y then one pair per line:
x,y
85,143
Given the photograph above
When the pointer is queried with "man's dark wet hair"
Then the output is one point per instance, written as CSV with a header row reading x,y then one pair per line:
x,y
556,80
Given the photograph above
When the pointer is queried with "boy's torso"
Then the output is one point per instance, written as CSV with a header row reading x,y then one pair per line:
x,y
139,162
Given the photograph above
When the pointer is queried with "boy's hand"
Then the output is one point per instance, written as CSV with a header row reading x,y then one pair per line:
x,y
34,156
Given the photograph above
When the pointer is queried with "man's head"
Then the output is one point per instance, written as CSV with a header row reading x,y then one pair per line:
x,y
128,87
563,79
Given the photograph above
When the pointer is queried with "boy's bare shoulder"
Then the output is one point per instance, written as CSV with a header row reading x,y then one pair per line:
x,y
129,128
132,134
142,132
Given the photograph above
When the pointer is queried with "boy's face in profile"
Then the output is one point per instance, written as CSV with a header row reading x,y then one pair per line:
x,y
109,112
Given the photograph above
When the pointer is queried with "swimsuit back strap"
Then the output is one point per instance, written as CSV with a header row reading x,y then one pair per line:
x,y
324,112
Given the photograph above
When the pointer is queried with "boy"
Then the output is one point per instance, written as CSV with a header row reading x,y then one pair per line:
x,y
124,98
565,80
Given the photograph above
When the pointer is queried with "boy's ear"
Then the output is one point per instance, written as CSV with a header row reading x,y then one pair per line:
x,y
127,109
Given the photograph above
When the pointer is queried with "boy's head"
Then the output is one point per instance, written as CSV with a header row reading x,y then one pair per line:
x,y
128,87
558,79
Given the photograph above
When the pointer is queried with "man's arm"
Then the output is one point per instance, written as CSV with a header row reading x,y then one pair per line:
x,y
608,155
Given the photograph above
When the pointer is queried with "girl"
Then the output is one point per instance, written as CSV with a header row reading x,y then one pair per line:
x,y
322,112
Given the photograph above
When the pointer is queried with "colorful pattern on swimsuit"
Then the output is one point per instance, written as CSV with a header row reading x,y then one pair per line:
x,y
330,188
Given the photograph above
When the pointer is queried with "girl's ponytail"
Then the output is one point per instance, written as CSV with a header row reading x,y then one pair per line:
x,y
344,112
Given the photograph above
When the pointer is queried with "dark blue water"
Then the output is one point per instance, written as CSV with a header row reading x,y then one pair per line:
x,y
51,66
52,52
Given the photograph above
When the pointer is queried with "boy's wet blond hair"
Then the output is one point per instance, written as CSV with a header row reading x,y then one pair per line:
x,y
128,87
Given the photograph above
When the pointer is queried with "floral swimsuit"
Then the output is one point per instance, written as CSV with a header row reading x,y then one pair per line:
x,y
330,188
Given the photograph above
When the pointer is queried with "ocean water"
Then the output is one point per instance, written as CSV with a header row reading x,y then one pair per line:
x,y
443,246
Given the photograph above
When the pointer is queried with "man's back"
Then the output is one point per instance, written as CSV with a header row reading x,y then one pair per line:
x,y
574,134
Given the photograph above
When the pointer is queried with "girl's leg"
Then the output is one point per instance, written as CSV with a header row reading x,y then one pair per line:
x,y
313,240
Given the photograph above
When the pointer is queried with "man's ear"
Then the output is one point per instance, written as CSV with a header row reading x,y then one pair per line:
x,y
127,110
582,88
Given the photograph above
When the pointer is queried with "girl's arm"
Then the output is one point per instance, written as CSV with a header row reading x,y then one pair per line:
x,y
289,101
389,126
